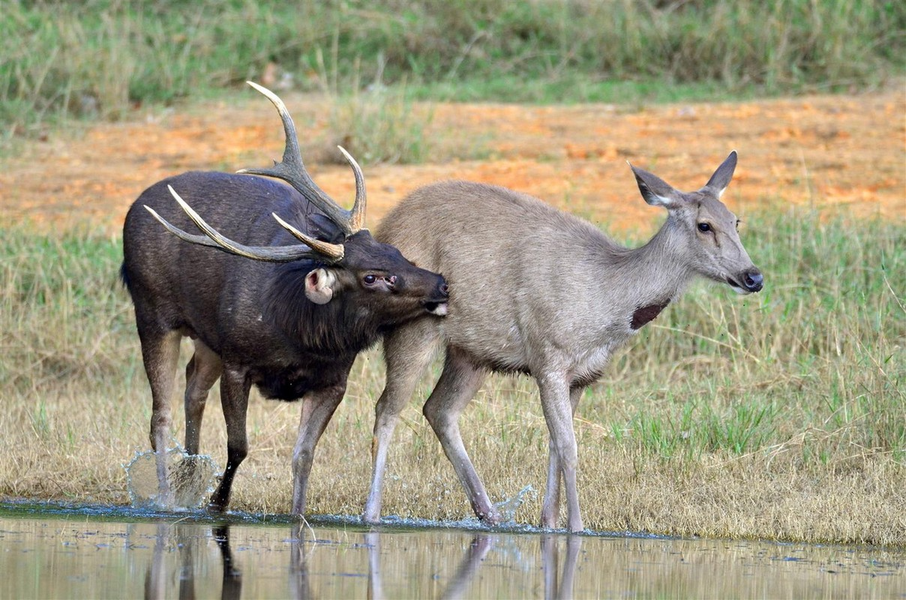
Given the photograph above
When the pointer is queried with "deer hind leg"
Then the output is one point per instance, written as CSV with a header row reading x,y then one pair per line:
x,y
160,352
551,504
457,385
202,373
407,351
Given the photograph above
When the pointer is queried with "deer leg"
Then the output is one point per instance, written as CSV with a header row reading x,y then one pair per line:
x,y
234,397
407,352
160,353
201,373
457,385
551,504
557,406
317,409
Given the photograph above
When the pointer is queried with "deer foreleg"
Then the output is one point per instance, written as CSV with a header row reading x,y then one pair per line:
x,y
407,355
317,409
551,505
557,406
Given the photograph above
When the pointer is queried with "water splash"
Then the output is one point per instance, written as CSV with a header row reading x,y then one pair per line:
x,y
191,478
509,506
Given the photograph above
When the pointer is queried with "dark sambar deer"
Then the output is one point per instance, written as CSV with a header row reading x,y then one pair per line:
x,y
286,316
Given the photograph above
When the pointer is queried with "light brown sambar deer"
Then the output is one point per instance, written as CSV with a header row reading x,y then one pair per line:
x,y
535,290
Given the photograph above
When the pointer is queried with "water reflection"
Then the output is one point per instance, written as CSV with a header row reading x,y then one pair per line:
x,y
478,548
80,558
232,577
298,564
190,548
550,548
189,543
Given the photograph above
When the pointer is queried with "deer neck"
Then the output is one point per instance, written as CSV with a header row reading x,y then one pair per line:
x,y
653,275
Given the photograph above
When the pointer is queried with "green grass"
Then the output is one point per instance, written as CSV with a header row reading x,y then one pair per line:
x,y
103,58
820,350
783,411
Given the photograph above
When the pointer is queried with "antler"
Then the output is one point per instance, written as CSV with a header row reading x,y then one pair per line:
x,y
292,170
312,249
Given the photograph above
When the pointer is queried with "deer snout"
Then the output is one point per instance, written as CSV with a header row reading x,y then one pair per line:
x,y
753,280
747,282
437,304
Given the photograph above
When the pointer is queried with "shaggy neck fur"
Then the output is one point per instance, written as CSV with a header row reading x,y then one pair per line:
x,y
328,330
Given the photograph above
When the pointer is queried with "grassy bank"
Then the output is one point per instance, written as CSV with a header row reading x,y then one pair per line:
x,y
103,58
773,416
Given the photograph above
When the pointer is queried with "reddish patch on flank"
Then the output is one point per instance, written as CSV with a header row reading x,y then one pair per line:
x,y
644,315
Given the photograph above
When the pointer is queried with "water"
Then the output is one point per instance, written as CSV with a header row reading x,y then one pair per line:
x,y
97,552
191,479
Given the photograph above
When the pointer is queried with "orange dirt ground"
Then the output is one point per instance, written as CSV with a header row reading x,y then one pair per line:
x,y
837,153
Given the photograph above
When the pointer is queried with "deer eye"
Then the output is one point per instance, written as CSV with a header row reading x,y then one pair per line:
x,y
704,227
369,279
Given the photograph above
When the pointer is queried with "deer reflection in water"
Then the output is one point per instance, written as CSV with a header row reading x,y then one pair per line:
x,y
550,545
480,545
191,544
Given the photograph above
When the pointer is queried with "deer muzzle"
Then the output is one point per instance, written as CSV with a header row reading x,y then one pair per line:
x,y
437,304
748,282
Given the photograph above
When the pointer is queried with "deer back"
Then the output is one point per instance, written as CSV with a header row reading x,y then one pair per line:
x,y
210,294
524,277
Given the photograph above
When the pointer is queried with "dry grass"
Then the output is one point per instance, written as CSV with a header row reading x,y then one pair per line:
x,y
778,416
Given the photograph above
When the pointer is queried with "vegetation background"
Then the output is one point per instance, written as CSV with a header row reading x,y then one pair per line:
x,y
100,58
783,416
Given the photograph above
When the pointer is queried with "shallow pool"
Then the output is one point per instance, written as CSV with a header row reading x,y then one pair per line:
x,y
101,552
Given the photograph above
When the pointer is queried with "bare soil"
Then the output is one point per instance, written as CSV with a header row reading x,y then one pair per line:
x,y
836,153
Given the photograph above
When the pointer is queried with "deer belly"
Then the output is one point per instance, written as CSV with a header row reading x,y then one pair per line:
x,y
292,383
589,365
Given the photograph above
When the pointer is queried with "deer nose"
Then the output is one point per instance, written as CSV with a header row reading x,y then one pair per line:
x,y
753,280
444,290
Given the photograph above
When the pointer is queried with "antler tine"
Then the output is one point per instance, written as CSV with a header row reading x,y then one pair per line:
x,y
357,214
215,239
201,240
292,169
334,251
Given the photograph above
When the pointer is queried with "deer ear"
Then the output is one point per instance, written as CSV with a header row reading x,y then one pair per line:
x,y
319,285
655,190
722,176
